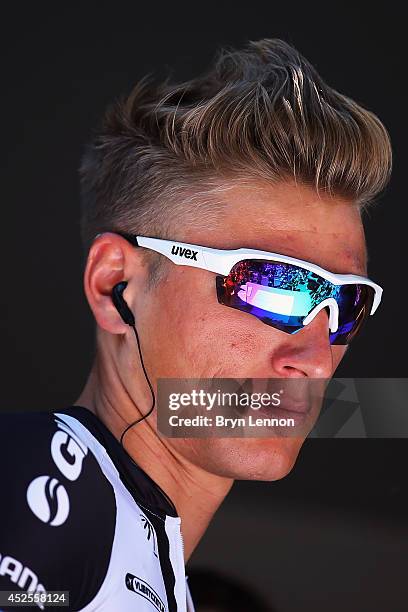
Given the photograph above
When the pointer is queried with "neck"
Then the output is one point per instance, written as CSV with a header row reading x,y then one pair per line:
x,y
196,493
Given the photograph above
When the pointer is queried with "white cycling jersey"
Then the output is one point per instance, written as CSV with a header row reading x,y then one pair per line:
x,y
81,516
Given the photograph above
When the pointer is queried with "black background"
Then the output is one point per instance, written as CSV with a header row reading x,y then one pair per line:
x,y
62,63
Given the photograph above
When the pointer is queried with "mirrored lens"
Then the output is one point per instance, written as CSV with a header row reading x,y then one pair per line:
x,y
278,294
282,295
355,303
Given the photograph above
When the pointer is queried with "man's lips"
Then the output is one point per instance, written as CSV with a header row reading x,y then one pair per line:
x,y
298,407
288,407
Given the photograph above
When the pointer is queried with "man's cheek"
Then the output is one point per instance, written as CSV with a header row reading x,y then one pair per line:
x,y
338,353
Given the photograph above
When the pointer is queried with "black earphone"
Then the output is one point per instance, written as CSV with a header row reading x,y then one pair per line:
x,y
121,305
129,318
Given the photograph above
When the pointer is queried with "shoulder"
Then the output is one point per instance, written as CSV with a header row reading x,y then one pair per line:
x,y
58,509
48,469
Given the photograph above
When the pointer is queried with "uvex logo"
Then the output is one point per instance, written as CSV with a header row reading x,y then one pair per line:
x,y
188,253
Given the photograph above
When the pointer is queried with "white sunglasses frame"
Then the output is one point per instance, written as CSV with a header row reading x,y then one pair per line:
x,y
221,261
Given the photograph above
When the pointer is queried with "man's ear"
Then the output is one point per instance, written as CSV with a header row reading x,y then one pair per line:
x,y
110,261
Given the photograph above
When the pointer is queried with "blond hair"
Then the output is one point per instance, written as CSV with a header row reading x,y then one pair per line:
x,y
260,112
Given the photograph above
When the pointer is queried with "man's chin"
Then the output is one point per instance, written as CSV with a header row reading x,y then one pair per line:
x,y
265,459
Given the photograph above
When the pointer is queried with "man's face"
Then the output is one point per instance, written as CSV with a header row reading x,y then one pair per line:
x,y
187,333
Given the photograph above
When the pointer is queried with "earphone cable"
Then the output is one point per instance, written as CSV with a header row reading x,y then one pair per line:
x,y
150,387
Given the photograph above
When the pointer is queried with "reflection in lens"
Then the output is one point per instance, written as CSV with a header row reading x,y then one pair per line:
x,y
282,295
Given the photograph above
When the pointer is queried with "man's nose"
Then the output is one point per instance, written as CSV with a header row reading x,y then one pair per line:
x,y
306,353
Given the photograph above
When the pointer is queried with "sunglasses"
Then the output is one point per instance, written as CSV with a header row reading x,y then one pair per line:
x,y
281,291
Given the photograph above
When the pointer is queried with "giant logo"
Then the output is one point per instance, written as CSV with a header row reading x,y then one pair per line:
x,y
46,496
21,576
49,500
